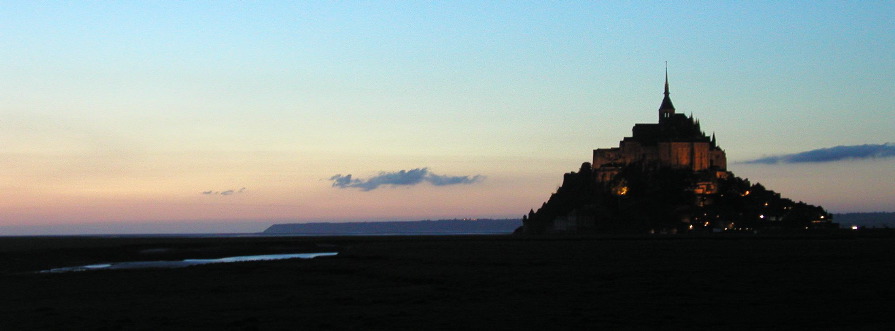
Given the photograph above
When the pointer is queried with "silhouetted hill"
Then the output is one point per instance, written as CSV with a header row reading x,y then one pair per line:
x,y
870,220
482,226
644,198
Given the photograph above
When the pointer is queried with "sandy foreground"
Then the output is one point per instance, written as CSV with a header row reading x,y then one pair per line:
x,y
458,282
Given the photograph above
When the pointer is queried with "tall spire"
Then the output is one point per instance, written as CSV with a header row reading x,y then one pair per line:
x,y
666,79
666,109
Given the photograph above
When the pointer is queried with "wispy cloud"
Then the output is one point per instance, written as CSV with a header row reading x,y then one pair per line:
x,y
832,154
224,193
402,178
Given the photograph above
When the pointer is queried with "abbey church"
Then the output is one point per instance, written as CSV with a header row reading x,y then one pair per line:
x,y
667,177
676,142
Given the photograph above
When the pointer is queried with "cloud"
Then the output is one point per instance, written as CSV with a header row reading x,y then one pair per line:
x,y
439,180
832,154
224,193
402,178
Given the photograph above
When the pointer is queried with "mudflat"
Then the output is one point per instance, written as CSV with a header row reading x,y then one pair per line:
x,y
455,282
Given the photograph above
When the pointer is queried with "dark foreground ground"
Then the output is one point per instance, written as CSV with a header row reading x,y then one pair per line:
x,y
456,283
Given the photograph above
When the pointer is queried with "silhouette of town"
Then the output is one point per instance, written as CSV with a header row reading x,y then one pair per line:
x,y
667,177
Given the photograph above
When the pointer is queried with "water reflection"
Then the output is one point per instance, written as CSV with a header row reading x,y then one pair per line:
x,y
187,262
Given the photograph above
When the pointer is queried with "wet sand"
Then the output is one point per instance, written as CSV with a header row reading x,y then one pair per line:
x,y
474,282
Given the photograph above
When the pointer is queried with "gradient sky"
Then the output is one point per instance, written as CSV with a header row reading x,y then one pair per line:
x,y
124,113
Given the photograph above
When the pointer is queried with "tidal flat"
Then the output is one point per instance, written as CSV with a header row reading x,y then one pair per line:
x,y
454,282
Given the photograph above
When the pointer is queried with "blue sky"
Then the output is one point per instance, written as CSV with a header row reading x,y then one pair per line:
x,y
127,111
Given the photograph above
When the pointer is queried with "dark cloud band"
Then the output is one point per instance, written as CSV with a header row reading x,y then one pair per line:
x,y
832,154
402,178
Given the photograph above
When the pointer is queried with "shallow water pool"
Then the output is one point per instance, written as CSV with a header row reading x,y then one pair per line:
x,y
187,262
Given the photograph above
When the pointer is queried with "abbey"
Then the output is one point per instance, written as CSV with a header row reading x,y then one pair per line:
x,y
676,142
667,177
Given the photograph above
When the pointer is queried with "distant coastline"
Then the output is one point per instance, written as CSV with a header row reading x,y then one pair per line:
x,y
494,226
423,227
869,220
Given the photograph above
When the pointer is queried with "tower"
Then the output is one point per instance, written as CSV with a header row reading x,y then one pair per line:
x,y
666,110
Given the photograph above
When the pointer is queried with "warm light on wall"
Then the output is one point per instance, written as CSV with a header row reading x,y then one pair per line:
x,y
621,190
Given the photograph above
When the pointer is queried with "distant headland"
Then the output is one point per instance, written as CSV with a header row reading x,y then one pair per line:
x,y
667,177
424,227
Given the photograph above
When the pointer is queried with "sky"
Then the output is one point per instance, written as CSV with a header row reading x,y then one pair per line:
x,y
226,116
